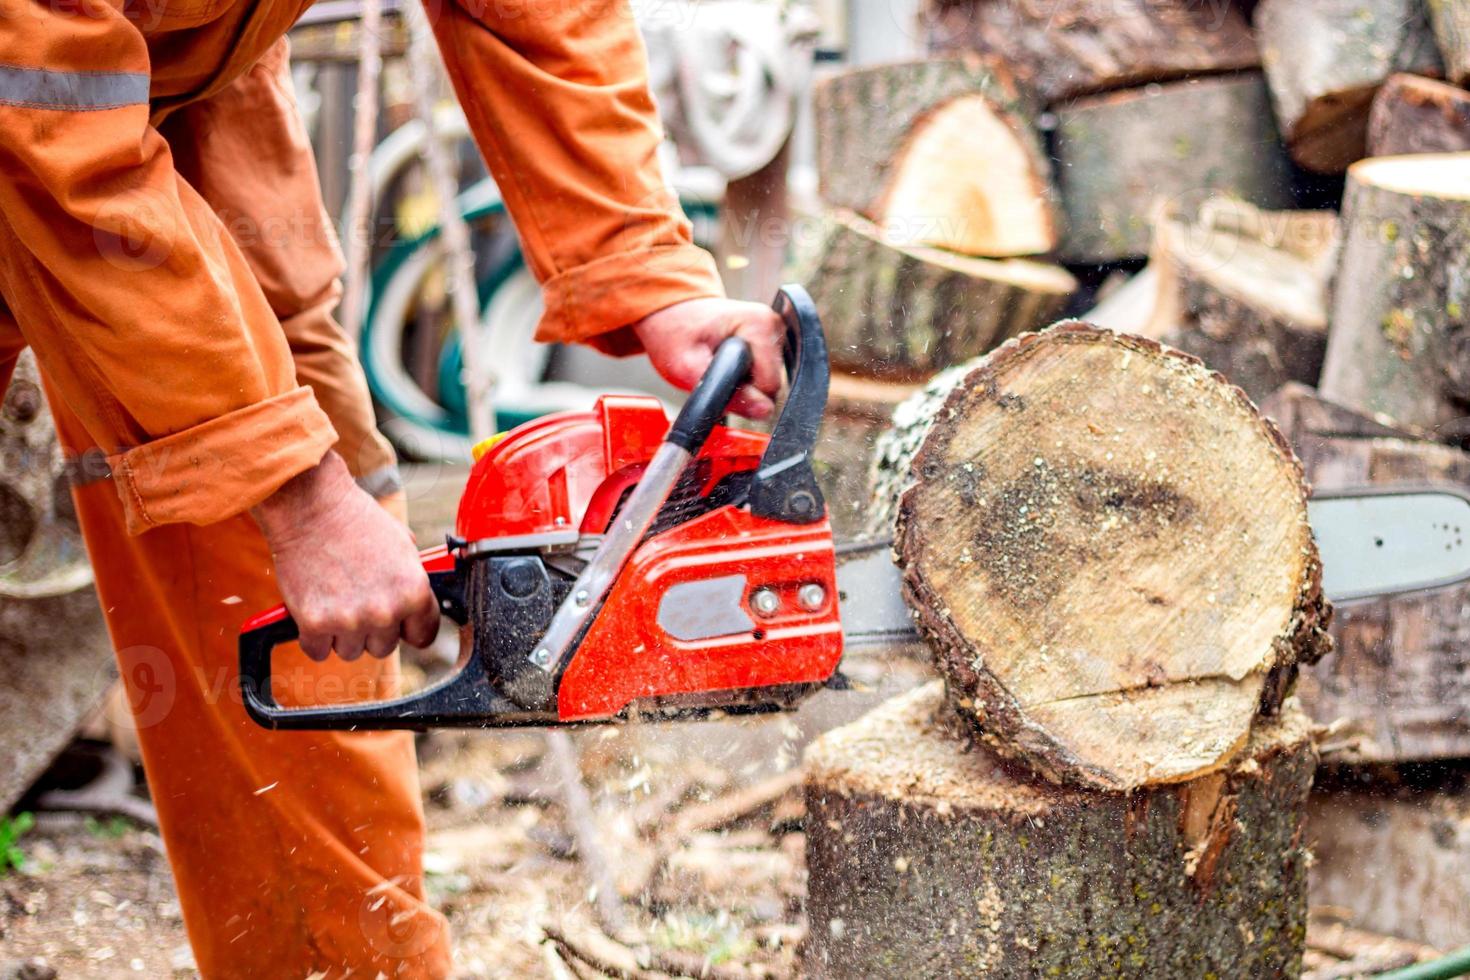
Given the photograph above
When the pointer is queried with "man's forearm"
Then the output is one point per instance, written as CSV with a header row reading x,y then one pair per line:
x,y
284,514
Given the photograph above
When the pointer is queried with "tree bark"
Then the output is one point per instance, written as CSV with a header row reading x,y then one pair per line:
x,y
1400,344
938,153
904,312
1121,155
859,411
1326,58
55,658
1062,50
1411,114
1398,859
1451,22
928,858
1246,292
1396,685
1107,549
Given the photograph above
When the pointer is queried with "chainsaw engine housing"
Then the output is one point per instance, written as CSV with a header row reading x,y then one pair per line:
x,y
717,608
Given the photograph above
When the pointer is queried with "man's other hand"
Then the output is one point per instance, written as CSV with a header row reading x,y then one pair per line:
x,y
681,339
347,569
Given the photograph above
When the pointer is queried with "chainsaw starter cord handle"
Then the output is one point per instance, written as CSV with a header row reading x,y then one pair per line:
x,y
727,371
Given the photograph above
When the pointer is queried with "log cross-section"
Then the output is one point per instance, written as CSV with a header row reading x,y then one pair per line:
x,y
937,153
1107,548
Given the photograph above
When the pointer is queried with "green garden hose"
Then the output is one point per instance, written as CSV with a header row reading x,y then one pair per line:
x,y
1456,964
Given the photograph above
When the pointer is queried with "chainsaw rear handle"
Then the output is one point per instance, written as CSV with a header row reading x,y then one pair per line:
x,y
463,699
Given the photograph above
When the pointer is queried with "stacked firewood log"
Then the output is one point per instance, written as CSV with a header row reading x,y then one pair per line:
x,y
1125,618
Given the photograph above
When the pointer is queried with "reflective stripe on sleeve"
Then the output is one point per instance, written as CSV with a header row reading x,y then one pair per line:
x,y
42,88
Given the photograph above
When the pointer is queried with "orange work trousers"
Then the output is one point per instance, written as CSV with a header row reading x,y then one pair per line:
x,y
295,854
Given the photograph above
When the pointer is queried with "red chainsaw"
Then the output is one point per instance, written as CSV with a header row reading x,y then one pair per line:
x,y
607,564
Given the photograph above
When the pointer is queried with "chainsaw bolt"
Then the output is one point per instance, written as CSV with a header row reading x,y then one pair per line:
x,y
765,602
582,598
811,596
541,657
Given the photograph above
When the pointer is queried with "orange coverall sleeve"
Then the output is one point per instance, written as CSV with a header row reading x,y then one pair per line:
x,y
556,93
141,309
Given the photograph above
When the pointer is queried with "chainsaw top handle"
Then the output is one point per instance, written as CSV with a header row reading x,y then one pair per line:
x,y
705,408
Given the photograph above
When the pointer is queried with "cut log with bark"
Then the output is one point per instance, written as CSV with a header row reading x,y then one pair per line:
x,y
55,658
1062,50
1396,685
1411,114
1397,859
1123,155
927,857
859,411
1400,340
938,153
1326,58
904,312
1107,549
1245,291
1451,22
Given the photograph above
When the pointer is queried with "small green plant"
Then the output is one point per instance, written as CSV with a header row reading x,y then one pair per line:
x,y
110,829
12,858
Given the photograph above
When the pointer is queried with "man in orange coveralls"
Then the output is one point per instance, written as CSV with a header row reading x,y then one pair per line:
x,y
165,252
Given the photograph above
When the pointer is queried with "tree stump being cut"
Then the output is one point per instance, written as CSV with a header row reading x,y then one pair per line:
x,y
1396,684
927,858
1326,58
904,312
1450,20
1246,291
937,153
1107,548
1062,50
1120,156
1418,115
1400,340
